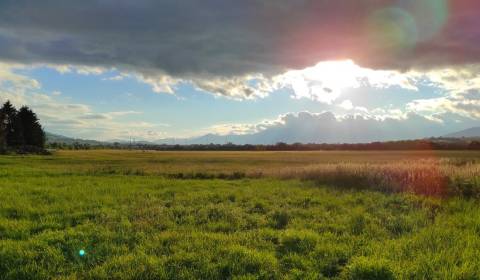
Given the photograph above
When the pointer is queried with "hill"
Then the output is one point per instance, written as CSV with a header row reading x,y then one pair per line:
x,y
56,138
472,132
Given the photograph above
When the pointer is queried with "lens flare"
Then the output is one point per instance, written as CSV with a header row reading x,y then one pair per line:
x,y
401,27
393,28
81,253
430,17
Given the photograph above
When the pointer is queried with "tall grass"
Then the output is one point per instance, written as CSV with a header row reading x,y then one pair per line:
x,y
437,173
146,227
311,215
426,177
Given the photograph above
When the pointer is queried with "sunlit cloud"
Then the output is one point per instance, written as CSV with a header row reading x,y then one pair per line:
x,y
346,104
461,106
327,80
327,127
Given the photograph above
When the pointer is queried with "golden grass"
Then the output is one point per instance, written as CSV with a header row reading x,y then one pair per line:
x,y
422,172
428,176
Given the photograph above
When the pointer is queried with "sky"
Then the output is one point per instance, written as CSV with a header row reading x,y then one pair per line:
x,y
255,71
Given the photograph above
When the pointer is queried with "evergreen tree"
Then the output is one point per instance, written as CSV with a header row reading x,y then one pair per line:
x,y
3,133
33,134
13,127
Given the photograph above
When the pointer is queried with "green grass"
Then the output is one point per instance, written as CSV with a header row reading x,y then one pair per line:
x,y
143,225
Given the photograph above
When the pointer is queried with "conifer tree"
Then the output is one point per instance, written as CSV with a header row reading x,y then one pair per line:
x,y
13,127
3,134
33,134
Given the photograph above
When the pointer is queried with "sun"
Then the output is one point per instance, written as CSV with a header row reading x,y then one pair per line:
x,y
325,81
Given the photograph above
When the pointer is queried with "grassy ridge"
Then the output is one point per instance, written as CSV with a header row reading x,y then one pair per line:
x,y
145,226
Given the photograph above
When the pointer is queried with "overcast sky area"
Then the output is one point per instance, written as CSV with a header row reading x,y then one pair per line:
x,y
256,71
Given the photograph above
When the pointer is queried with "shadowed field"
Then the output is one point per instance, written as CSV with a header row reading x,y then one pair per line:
x,y
271,215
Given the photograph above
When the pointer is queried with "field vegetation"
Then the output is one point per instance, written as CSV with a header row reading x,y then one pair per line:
x,y
438,173
108,214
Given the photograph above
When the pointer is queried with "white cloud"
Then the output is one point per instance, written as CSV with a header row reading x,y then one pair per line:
x,y
250,86
327,80
78,69
324,82
237,129
458,104
327,127
116,77
159,83
72,119
11,81
452,80
346,104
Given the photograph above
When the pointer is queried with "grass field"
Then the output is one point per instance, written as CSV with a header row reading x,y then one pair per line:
x,y
240,215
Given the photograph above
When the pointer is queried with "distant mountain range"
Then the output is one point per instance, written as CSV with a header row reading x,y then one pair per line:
x,y
472,132
262,137
55,138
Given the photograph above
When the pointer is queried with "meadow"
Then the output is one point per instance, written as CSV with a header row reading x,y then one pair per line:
x,y
240,215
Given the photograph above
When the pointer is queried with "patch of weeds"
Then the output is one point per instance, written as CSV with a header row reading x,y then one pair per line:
x,y
280,219
368,269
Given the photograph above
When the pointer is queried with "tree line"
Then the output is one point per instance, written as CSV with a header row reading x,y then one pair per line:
x,y
419,144
20,130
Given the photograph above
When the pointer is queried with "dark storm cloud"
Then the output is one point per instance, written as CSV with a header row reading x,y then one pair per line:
x,y
193,38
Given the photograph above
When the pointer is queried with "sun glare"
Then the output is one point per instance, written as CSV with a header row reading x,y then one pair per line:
x,y
327,80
